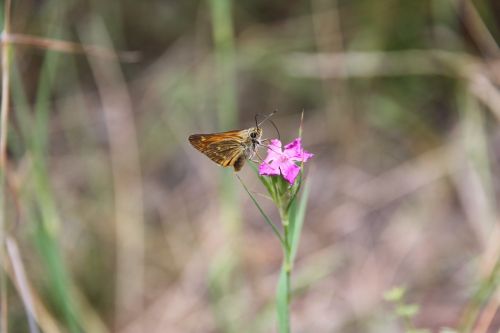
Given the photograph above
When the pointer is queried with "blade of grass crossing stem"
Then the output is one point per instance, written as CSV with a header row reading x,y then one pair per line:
x,y
297,221
266,218
295,191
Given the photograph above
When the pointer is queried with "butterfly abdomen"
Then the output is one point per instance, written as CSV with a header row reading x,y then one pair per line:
x,y
238,164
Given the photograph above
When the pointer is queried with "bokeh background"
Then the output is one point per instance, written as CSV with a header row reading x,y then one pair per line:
x,y
114,223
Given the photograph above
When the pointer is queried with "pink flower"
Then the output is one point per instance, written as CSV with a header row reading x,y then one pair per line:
x,y
284,162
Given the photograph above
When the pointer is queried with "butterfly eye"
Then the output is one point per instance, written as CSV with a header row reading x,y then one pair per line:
x,y
253,135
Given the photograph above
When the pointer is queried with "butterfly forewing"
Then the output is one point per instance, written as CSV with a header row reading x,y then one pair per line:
x,y
225,149
230,148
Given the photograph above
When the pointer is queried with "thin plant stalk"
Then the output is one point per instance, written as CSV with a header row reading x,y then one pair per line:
x,y
22,281
68,47
5,90
4,121
225,77
223,279
284,326
127,182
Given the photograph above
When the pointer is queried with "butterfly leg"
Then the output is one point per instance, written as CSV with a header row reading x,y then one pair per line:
x,y
265,141
268,146
259,159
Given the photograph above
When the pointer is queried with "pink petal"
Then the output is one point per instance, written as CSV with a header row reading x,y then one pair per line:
x,y
276,144
274,151
271,157
295,144
306,155
294,149
295,152
289,171
274,147
270,165
283,162
269,169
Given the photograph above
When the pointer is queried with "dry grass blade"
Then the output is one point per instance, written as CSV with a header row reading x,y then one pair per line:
x,y
4,121
411,62
44,319
22,282
127,182
5,89
477,28
485,91
69,47
342,65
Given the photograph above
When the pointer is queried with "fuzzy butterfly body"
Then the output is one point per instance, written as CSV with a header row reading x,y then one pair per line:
x,y
229,149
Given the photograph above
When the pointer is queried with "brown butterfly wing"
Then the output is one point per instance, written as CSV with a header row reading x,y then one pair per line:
x,y
225,148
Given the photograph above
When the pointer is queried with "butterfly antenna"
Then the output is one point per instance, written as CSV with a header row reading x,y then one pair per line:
x,y
267,117
256,121
276,128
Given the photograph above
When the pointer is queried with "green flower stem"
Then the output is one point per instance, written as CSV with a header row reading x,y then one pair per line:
x,y
287,265
292,210
284,297
286,248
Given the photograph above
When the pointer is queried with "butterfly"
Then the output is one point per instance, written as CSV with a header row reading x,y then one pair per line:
x,y
231,148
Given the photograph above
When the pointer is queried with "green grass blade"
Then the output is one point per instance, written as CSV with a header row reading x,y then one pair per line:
x,y
58,277
46,233
222,26
23,108
297,215
266,218
295,190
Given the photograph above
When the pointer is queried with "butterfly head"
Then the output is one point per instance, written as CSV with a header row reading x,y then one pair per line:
x,y
255,133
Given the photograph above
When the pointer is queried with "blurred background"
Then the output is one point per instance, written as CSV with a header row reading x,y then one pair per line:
x,y
114,223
